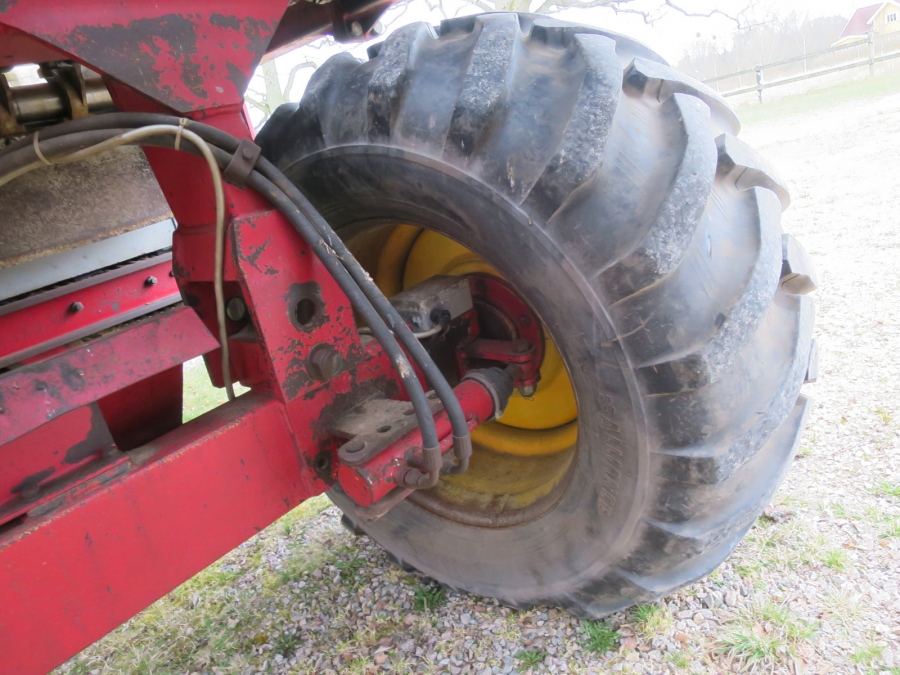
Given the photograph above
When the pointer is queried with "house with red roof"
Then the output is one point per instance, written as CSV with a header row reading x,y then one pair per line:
x,y
878,19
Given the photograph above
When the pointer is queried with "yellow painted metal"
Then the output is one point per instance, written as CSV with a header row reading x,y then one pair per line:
x,y
550,414
391,263
512,480
524,455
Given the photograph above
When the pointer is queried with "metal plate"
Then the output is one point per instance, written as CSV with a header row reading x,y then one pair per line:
x,y
61,207
38,273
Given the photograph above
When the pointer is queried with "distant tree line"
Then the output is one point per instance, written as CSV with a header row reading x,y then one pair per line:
x,y
765,42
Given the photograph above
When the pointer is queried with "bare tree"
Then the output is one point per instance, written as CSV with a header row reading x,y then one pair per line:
x,y
771,38
266,92
648,11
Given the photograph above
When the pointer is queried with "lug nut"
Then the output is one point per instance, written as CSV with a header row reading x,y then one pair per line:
x,y
527,390
236,309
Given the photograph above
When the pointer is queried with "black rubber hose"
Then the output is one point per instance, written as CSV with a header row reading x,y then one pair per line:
x,y
461,439
360,302
22,154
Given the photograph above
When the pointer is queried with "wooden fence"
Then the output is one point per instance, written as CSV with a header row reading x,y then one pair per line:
x,y
869,59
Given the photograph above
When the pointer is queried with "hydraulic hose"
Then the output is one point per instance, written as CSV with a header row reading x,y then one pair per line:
x,y
228,143
20,158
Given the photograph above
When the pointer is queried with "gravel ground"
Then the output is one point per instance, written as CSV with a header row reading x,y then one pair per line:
x,y
815,587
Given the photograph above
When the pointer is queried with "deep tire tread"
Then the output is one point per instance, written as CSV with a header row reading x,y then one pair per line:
x,y
686,259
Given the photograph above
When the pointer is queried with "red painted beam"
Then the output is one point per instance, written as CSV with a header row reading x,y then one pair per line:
x,y
73,575
37,393
46,320
186,54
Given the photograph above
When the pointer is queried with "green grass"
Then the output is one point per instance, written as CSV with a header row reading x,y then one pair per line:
x,y
531,658
820,99
883,414
836,559
892,530
843,608
429,597
765,636
867,654
651,620
888,489
679,659
599,636
200,395
286,644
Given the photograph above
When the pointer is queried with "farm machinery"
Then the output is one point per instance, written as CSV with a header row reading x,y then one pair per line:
x,y
511,291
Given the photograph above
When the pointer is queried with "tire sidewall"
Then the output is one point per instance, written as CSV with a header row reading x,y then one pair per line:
x,y
592,525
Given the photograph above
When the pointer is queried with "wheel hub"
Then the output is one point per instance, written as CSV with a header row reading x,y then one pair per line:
x,y
519,461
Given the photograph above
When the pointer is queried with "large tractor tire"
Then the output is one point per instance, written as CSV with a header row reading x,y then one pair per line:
x,y
611,194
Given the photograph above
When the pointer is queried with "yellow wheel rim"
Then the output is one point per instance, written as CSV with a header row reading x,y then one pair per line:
x,y
550,414
520,458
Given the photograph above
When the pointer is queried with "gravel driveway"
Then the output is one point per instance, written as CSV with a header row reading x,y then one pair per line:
x,y
815,588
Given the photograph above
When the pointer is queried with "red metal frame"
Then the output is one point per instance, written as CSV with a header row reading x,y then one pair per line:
x,y
111,502
46,320
373,481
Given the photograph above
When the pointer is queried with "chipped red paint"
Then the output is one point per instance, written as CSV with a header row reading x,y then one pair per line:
x,y
31,463
107,502
186,55
370,482
34,394
76,572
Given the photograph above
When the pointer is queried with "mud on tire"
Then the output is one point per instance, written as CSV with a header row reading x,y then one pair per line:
x,y
612,193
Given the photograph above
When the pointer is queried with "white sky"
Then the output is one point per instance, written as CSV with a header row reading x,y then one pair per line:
x,y
669,35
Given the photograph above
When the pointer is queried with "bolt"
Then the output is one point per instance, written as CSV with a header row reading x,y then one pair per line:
x,y
76,307
247,153
527,390
171,273
324,362
356,29
236,309
354,446
150,281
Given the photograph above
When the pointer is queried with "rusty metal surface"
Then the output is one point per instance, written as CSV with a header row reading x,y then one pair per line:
x,y
114,544
306,20
373,425
68,205
39,392
186,55
369,483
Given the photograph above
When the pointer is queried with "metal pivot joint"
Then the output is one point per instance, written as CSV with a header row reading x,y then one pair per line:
x,y
377,475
